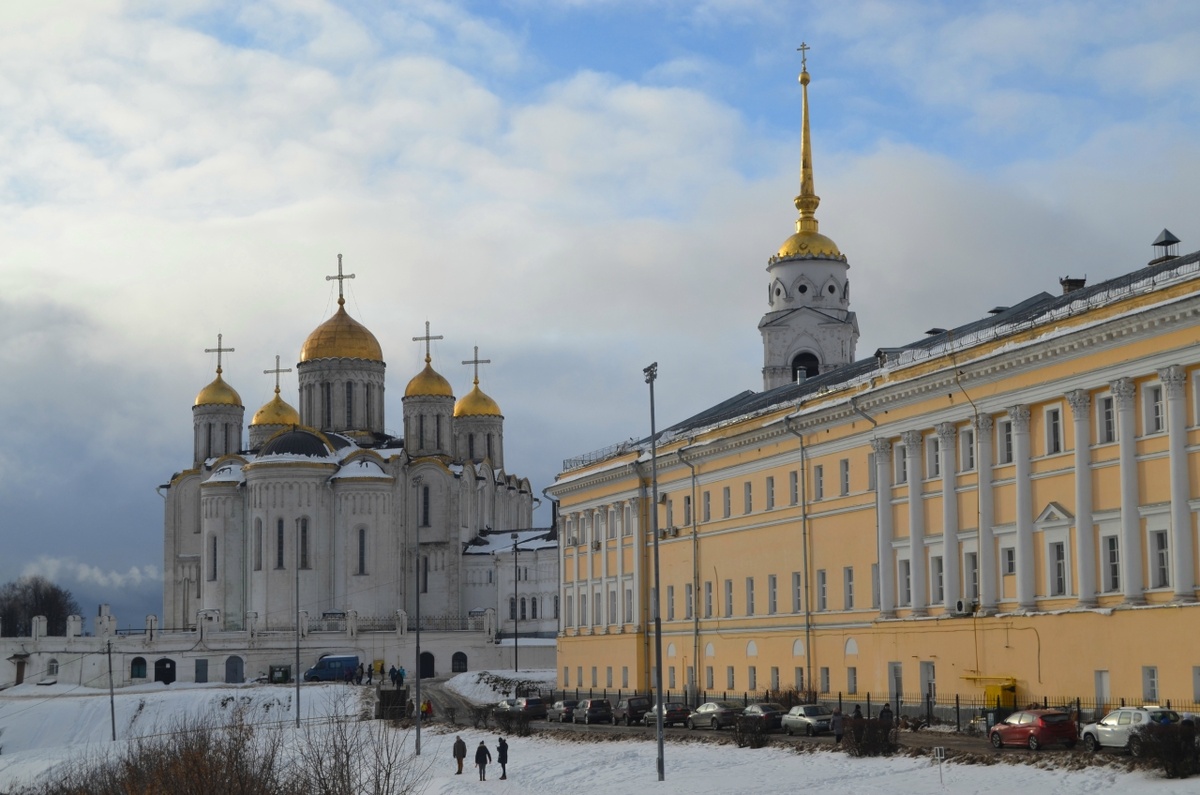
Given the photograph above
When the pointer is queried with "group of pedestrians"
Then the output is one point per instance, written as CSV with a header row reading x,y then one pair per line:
x,y
483,757
397,676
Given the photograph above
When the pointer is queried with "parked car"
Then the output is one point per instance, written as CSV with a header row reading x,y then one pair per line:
x,y
532,707
811,719
1034,728
675,714
1122,728
715,714
631,710
505,705
769,716
562,711
593,710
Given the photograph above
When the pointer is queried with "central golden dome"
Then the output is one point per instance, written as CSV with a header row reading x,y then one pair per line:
x,y
341,337
276,412
809,244
218,393
428,383
476,404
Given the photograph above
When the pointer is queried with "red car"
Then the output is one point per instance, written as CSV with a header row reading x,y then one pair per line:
x,y
1034,728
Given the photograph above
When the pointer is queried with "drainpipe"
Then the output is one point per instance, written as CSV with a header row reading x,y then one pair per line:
x,y
808,648
695,581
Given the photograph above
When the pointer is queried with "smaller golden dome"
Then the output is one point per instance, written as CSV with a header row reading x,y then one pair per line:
x,y
428,383
276,412
341,337
218,393
476,404
806,245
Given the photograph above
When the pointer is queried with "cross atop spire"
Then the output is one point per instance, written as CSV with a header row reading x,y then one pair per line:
x,y
477,361
803,50
218,351
340,279
277,371
427,339
808,200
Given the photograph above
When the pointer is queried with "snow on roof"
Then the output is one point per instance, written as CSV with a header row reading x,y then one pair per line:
x,y
362,467
498,541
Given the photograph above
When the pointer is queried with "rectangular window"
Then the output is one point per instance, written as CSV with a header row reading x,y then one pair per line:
x,y
938,578
771,603
967,442
279,544
583,613
905,582
727,502
424,506
1161,559
794,487
752,677
570,610
424,574
687,511
747,497
613,616
1150,684
1112,563
900,460
799,678
933,454
844,476
362,551
730,682
671,677
1106,420
627,522
597,608
1058,569
971,564
1156,420
821,601
875,585
728,598
624,676
770,493
708,678
774,677
708,606
818,482
749,596
349,404
1008,557
212,562
824,679
689,606
706,510
566,676
797,591
1004,441
1054,431
852,680
670,514
608,679
303,543
670,603
258,545
848,587
628,605
594,681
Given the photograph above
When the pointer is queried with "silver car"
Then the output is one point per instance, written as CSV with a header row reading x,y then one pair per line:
x,y
1122,728
811,719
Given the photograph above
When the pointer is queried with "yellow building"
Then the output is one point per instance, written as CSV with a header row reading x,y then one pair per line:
x,y
1010,500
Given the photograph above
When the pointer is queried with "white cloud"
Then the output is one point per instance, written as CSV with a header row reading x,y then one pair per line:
x,y
68,572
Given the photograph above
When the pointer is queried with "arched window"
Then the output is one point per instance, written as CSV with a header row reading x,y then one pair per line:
x,y
349,404
52,668
362,550
279,544
512,608
303,523
258,544
471,446
523,616
137,668
212,558
369,394
805,363
533,607
458,663
327,405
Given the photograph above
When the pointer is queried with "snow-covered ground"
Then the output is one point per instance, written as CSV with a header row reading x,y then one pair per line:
x,y
41,727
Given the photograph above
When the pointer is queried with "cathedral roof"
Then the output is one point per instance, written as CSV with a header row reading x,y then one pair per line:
x,y
276,412
428,383
476,404
218,393
341,337
298,441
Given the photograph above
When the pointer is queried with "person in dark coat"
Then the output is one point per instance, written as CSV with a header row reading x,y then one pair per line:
x,y
837,724
392,674
360,673
460,753
502,758
857,715
885,717
370,673
402,674
482,757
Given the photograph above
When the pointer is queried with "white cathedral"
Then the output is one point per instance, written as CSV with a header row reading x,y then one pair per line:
x,y
324,515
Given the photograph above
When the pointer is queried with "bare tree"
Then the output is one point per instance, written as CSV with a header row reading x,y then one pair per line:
x,y
33,596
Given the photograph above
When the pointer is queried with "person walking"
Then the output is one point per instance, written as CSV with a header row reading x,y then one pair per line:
x,y
460,753
392,674
885,717
482,757
857,715
370,673
427,710
360,674
502,758
837,725
402,675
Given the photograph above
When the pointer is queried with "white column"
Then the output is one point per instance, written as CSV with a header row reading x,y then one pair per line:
x,y
1131,522
988,592
916,521
1085,531
1182,574
883,524
1024,508
948,463
639,550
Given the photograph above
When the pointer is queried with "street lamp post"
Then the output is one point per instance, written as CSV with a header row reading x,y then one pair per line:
x,y
516,611
651,373
417,592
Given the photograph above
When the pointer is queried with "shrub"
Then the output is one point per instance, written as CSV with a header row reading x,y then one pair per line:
x,y
869,737
1173,746
749,732
480,716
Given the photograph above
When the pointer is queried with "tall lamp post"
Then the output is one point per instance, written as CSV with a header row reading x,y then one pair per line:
x,y
417,591
651,374
516,611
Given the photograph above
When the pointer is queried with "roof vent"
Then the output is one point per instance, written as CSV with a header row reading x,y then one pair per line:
x,y
996,310
1167,245
1070,285
935,330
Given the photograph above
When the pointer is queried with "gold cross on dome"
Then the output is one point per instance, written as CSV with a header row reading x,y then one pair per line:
x,y
427,339
803,50
340,279
218,351
477,361
277,371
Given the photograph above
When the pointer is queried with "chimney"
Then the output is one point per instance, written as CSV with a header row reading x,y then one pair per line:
x,y
1070,285
1167,245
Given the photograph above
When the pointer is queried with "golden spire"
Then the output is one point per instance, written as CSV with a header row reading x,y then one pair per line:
x,y
808,200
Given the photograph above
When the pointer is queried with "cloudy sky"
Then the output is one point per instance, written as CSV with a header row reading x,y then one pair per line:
x,y
579,187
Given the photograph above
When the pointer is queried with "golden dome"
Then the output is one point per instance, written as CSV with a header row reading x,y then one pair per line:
x,y
341,337
218,393
809,244
428,383
476,404
276,412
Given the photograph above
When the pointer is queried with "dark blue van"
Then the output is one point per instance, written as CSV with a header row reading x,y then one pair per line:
x,y
332,668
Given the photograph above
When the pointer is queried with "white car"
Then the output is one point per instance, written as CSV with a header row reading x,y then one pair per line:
x,y
1122,728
